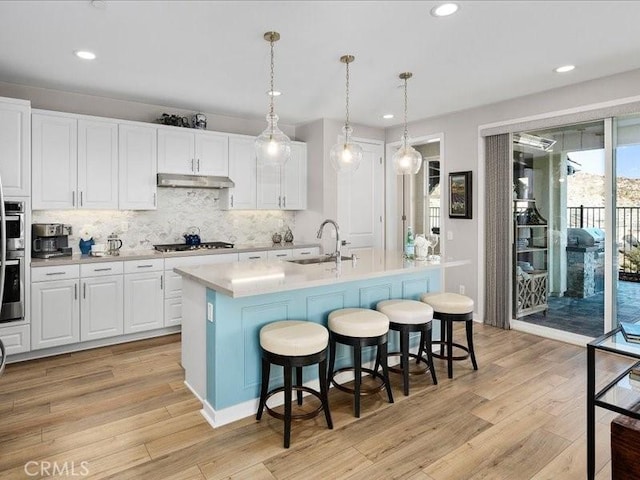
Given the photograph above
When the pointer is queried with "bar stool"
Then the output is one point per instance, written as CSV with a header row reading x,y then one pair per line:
x,y
359,327
449,308
406,316
294,344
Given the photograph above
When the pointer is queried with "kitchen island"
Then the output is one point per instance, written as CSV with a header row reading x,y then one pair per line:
x,y
225,305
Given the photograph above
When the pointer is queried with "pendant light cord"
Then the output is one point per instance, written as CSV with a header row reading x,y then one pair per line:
x,y
346,123
271,91
406,130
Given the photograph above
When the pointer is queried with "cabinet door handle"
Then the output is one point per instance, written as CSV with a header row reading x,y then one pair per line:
x,y
84,290
81,199
102,269
145,266
192,169
305,253
75,291
281,255
198,164
231,200
161,282
54,273
279,202
154,200
254,258
73,199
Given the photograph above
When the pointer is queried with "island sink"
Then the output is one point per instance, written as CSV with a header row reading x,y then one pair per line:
x,y
310,261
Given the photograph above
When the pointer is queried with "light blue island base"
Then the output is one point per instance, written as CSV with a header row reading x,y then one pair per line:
x,y
221,353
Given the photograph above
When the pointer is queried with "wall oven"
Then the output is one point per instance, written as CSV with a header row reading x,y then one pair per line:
x,y
12,261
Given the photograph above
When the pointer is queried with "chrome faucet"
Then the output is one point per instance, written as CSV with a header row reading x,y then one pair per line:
x,y
337,253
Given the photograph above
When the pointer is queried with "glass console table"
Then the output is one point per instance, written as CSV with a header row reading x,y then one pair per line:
x,y
618,395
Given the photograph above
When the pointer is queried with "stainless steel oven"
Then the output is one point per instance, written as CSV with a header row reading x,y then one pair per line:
x,y
12,267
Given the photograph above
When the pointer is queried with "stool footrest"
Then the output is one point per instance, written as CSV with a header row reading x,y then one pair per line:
x,y
363,390
456,345
297,416
419,371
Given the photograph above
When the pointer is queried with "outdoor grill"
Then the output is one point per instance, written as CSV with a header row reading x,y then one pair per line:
x,y
585,262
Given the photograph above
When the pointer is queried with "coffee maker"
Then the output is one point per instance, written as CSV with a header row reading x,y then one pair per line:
x,y
50,240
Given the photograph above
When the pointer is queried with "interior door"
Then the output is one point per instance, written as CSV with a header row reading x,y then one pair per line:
x,y
361,201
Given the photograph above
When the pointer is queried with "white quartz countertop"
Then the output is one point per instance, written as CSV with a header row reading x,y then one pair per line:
x,y
255,278
147,254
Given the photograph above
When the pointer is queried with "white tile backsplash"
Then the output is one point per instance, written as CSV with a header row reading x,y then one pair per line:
x,y
178,209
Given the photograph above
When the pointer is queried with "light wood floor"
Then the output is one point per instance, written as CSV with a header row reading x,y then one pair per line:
x,y
125,411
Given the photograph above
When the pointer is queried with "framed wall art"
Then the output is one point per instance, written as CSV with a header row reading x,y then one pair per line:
x,y
460,195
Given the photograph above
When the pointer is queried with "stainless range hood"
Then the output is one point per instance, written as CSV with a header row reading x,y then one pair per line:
x,y
178,180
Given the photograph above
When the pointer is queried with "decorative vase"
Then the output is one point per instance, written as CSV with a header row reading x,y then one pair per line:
x,y
288,236
276,238
85,246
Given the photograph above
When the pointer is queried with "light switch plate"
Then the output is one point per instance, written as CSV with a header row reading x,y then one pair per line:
x,y
210,311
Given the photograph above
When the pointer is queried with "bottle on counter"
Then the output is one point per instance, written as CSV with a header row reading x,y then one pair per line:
x,y
409,245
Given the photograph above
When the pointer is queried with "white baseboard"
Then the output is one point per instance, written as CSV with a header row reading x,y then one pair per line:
x,y
217,418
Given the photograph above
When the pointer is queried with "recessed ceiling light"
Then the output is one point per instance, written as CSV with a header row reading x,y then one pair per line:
x,y
274,93
565,68
387,116
85,54
444,10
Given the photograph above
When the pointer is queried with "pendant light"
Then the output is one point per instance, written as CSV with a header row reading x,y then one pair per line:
x,y
345,155
407,160
273,147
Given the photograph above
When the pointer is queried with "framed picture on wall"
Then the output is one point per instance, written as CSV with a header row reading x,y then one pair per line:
x,y
460,195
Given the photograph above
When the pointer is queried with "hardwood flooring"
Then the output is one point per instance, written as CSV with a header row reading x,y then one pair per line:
x,y
125,412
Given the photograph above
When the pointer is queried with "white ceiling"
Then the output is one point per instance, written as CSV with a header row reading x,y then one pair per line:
x,y
210,56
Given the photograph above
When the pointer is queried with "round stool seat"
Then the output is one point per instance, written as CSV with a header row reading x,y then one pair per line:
x,y
294,338
445,302
358,322
406,311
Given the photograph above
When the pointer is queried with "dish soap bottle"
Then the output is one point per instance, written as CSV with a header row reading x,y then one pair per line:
x,y
409,246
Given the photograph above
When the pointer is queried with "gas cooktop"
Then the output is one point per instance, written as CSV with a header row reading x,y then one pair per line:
x,y
183,247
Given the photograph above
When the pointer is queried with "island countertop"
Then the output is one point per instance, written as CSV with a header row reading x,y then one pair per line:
x,y
256,278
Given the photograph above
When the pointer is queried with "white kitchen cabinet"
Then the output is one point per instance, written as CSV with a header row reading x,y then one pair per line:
x,y
252,256
16,339
54,147
173,282
15,152
192,152
97,164
55,313
281,254
143,301
242,170
298,253
137,149
284,187
101,308
75,162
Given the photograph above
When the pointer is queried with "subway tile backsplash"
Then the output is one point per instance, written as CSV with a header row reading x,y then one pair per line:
x,y
178,209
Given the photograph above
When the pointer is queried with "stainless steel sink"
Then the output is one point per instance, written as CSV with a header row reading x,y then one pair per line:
x,y
310,261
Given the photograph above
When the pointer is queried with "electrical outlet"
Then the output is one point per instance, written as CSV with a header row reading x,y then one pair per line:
x,y
461,289
210,311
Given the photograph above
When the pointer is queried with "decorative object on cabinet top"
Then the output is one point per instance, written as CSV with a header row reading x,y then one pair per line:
x,y
174,120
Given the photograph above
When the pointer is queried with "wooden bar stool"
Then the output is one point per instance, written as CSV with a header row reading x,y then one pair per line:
x,y
449,308
406,316
359,327
294,344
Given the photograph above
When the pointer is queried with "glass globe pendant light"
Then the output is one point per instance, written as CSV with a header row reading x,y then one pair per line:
x,y
346,156
407,160
273,147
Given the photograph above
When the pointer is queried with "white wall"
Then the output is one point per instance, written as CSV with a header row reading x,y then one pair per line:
x,y
460,152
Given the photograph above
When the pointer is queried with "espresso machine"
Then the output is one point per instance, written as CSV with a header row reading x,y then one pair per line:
x,y
50,240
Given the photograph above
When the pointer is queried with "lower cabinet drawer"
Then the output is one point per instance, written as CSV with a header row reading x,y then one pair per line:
x,y
16,339
172,311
